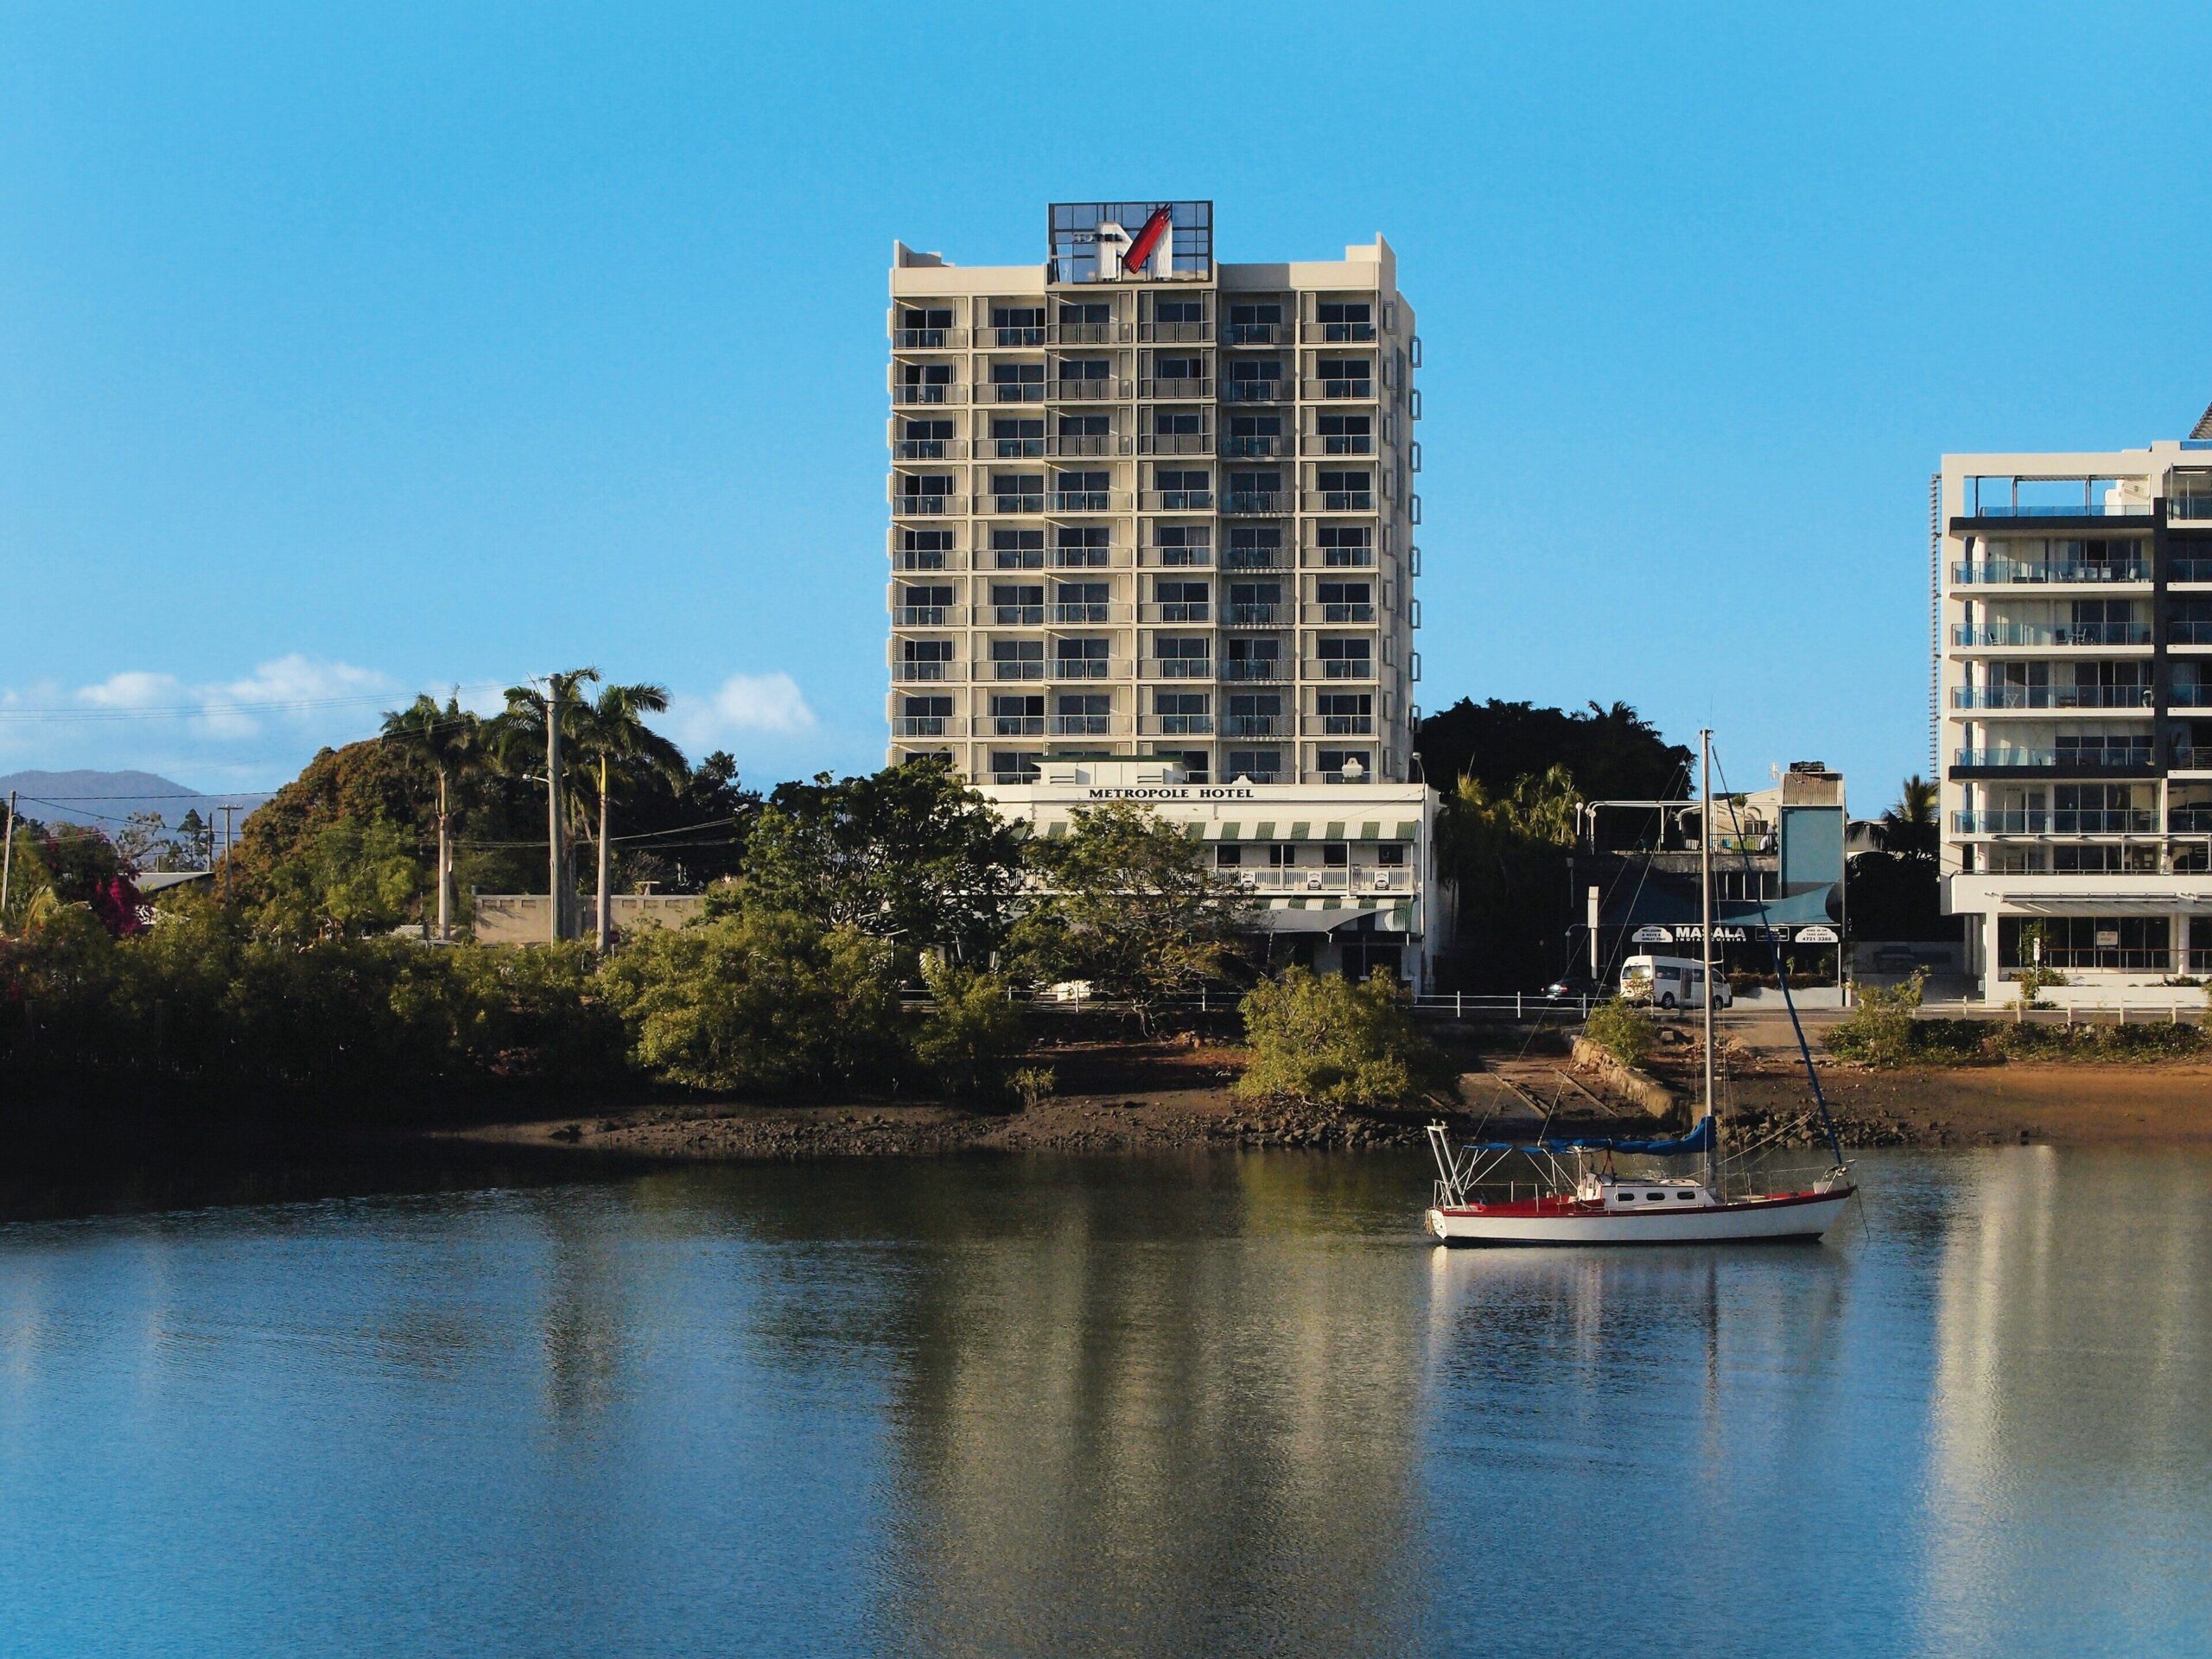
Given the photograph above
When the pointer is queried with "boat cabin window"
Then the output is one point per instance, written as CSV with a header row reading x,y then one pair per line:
x,y
1656,1197
1681,1198
1625,1197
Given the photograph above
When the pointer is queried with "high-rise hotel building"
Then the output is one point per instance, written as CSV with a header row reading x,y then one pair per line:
x,y
1143,503
2074,709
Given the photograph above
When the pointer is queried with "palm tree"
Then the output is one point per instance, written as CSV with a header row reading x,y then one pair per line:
x,y
530,726
450,741
1909,826
613,732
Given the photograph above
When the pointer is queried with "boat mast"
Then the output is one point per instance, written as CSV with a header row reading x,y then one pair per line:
x,y
1705,936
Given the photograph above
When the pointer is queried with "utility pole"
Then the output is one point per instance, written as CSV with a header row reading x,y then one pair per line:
x,y
604,931
8,857
553,804
229,841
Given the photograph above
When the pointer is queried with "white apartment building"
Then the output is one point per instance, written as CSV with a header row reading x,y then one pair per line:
x,y
2074,710
1143,503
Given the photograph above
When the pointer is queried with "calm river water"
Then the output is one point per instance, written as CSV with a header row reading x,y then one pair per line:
x,y
1232,1405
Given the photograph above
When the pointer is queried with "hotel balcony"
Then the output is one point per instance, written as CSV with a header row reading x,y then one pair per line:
x,y
1064,614
1336,333
1074,444
1174,725
1089,501
1089,392
1019,391
1175,443
2124,756
1338,879
928,449
1087,333
1997,699
1176,668
1360,390
925,673
1339,614
1252,558
1337,558
1255,725
1011,503
1338,725
1013,725
1998,635
1263,448
1269,390
2019,572
2015,822
928,558
927,726
1254,614
1089,725
1178,333
1089,558
924,616
1340,668
1339,500
1011,616
1176,501
1180,610
1175,390
908,396
928,506
1337,443
1255,333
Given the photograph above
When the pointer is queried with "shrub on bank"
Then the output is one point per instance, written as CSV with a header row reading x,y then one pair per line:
x,y
973,1034
1332,1041
2023,1041
1880,1030
1622,1030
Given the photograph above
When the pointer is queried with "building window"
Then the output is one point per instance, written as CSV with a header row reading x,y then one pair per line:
x,y
1390,854
1184,543
1335,855
1018,549
1228,856
1261,766
1282,857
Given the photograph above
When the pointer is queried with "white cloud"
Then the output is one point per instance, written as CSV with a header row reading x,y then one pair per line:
x,y
746,705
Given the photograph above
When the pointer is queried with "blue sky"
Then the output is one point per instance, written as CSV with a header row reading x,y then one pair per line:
x,y
350,352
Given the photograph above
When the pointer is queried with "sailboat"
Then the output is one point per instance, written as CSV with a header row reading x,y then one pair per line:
x,y
1577,1196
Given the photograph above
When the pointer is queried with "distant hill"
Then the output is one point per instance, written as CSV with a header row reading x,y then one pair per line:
x,y
106,798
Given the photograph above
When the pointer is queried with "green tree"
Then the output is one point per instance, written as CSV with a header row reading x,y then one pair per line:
x,y
520,739
353,875
1624,1031
1132,904
1323,1038
761,1002
450,741
1506,851
1909,825
1614,752
909,854
974,1032
614,749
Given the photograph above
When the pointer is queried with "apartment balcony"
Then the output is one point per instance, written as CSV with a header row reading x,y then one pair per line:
x,y
1340,500
1337,443
1176,390
1256,503
2189,820
1012,616
2189,697
1175,725
1013,725
1088,668
1176,668
1337,558
1174,334
926,559
1264,447
1087,333
928,506
1017,392
927,726
917,396
1254,670
1359,390
928,449
927,673
2188,570
2019,573
2189,634
1089,725
1255,391
1089,558
1176,501
2067,762
1997,699
1089,501
1175,443
1015,339
2014,822
1252,558
1255,333
925,616
2188,759
1339,333
1089,392
1989,635
1012,503
1181,610
1254,614
1022,668
1364,776
1338,725
1177,558
2191,509
1012,449
1339,613
1065,615
929,340
1255,725
1340,668
1073,445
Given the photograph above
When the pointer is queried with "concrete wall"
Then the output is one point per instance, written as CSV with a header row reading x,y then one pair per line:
x,y
521,918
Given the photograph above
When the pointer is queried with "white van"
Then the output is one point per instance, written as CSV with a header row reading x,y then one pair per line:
x,y
1671,983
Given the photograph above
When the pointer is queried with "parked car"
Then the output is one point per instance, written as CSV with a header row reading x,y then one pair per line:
x,y
1575,987
1671,983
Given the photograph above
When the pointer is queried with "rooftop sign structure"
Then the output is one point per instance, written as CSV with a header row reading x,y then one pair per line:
x,y
1131,241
